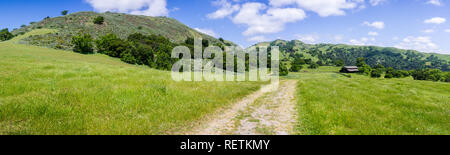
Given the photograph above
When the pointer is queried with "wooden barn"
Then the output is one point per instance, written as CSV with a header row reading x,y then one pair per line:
x,y
349,69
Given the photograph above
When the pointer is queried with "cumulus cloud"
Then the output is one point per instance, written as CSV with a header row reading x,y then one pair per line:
x,y
377,24
373,33
226,9
324,8
260,21
435,20
207,31
377,2
428,31
309,38
257,39
362,41
435,2
137,7
421,43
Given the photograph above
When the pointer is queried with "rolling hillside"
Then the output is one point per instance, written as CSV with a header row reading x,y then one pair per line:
x,y
120,24
328,54
47,91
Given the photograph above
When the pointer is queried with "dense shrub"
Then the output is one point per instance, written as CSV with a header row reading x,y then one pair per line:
x,y
5,35
64,12
392,73
296,68
128,56
376,73
380,67
297,64
313,65
83,44
283,70
363,67
428,74
99,20
111,45
339,63
446,77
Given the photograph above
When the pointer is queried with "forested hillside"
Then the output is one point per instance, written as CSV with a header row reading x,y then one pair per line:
x,y
332,54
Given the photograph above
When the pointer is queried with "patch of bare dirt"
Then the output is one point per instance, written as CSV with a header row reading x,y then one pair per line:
x,y
223,121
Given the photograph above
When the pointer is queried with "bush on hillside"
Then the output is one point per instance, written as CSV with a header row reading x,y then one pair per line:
x,y
64,12
128,57
363,67
5,35
376,73
313,65
83,44
428,75
296,68
446,77
111,45
380,67
99,20
283,70
393,73
339,63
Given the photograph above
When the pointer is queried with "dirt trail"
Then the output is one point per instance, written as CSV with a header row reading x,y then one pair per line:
x,y
267,111
273,114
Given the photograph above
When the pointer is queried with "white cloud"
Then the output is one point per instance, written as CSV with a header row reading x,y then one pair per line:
x,y
422,44
309,39
137,7
257,39
447,30
362,41
377,2
338,38
324,8
373,34
435,20
226,9
376,24
428,31
207,31
272,21
435,2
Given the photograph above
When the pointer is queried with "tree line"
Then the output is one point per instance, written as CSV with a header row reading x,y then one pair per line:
x,y
152,50
418,74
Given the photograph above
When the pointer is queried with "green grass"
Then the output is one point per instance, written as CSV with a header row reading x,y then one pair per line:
x,y
45,91
332,104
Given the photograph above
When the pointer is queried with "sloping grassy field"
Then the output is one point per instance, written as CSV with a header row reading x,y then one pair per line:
x,y
46,91
332,104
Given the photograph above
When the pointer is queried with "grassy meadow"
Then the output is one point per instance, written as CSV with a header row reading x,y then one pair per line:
x,y
45,91
332,104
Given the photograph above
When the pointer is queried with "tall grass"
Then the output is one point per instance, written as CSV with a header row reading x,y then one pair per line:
x,y
332,104
45,91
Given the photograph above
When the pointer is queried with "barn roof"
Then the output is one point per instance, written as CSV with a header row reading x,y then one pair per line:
x,y
351,67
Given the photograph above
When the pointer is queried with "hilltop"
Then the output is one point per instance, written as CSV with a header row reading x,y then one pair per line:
x,y
119,24
329,54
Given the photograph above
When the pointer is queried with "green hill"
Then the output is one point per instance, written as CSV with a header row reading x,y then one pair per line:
x,y
328,54
47,91
120,24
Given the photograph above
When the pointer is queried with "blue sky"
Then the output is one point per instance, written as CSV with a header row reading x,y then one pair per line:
x,y
410,24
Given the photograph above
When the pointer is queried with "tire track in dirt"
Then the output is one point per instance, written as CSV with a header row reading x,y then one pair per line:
x,y
270,108
272,114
